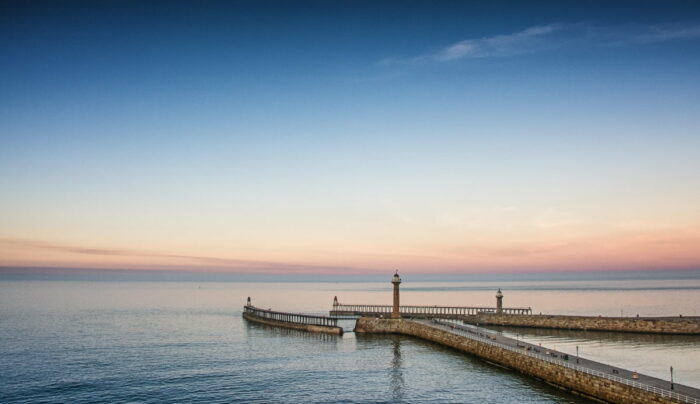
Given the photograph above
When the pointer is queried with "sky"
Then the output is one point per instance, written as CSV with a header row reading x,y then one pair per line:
x,y
350,137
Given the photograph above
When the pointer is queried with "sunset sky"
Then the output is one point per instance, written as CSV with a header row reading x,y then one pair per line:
x,y
352,137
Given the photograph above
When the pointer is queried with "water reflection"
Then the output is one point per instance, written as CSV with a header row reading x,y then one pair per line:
x,y
396,371
448,375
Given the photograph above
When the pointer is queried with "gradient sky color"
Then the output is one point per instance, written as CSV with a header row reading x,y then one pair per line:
x,y
330,137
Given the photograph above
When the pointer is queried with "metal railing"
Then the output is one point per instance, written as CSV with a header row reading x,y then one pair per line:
x,y
477,335
291,317
443,311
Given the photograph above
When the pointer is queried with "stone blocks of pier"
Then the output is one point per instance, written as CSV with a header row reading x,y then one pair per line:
x,y
582,383
663,325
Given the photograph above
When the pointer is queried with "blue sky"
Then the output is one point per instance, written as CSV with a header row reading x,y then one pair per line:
x,y
445,136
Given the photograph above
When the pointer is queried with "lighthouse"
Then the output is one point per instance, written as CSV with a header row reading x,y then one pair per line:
x,y
396,281
499,302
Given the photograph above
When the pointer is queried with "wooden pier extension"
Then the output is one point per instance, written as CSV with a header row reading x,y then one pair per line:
x,y
328,325
450,312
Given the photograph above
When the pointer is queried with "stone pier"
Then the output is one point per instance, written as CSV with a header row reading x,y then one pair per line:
x,y
587,378
649,325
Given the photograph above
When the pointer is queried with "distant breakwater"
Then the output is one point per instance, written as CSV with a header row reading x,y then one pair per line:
x,y
648,325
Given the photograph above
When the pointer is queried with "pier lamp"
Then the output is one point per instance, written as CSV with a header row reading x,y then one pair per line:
x,y
576,353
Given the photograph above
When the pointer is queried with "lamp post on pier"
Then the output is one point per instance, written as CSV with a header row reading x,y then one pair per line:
x,y
671,377
576,353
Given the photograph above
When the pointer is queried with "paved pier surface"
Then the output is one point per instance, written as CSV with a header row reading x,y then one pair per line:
x,y
469,331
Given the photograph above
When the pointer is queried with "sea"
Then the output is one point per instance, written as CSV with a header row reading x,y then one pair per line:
x,y
184,340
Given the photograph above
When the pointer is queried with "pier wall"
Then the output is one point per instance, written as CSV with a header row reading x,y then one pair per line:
x,y
296,326
660,325
585,384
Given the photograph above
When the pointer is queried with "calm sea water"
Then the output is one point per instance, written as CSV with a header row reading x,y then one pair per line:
x,y
77,342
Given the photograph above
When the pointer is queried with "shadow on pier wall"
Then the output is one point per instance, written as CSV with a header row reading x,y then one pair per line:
x,y
289,332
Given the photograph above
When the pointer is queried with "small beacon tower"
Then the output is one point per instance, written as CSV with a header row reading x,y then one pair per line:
x,y
396,281
499,302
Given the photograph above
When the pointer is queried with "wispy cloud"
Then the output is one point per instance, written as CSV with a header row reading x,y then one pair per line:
x,y
176,260
553,36
530,40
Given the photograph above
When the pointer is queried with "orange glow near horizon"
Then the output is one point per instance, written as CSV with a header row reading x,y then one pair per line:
x,y
640,250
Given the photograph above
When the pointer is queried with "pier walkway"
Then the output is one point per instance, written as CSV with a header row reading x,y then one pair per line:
x,y
681,393
297,321
305,319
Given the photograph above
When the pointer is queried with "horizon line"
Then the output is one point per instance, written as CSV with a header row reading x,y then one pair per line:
x,y
67,270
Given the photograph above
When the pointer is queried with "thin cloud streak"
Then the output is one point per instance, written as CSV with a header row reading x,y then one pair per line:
x,y
186,261
549,37
530,40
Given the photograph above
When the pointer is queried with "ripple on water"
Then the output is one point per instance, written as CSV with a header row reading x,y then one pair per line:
x,y
170,343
